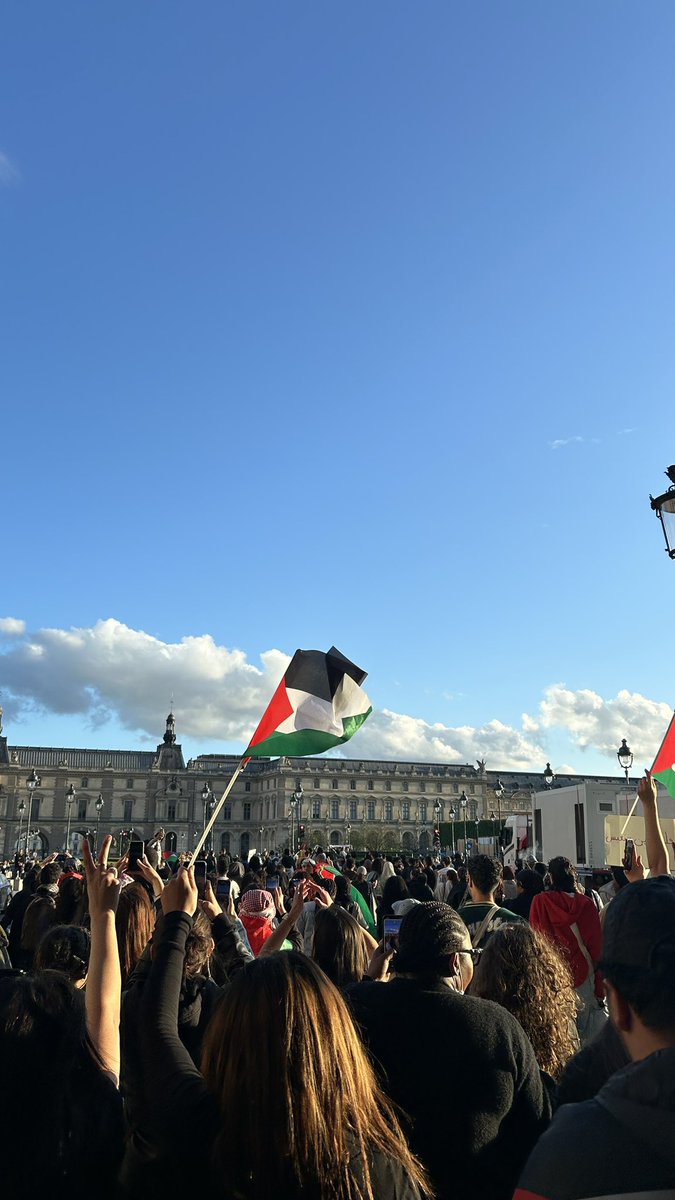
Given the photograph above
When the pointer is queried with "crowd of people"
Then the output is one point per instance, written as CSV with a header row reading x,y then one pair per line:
x,y
309,1025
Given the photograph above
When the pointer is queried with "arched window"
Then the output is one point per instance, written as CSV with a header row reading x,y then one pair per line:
x,y
244,846
225,843
336,838
408,840
424,841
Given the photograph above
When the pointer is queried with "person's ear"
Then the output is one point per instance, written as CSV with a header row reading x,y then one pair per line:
x,y
619,1009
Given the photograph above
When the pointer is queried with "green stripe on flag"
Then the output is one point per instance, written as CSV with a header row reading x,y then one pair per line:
x,y
667,778
302,742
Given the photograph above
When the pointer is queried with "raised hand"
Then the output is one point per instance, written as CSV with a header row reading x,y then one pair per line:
x,y
209,904
180,894
103,884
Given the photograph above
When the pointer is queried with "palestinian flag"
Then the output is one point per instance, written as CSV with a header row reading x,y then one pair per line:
x,y
318,704
664,763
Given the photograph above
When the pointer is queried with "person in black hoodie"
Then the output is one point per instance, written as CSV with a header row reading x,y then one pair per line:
x,y
621,1143
528,884
477,1146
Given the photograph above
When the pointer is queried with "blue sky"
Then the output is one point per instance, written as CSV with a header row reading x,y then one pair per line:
x,y
343,324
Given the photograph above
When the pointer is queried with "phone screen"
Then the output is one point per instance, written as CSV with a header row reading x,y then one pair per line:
x,y
136,849
200,877
628,855
272,881
223,889
391,929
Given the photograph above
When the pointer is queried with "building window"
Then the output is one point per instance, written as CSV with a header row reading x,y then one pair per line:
x,y
247,812
171,812
37,801
334,784
227,812
405,785
455,787
130,783
472,788
387,786
439,787
405,809
128,812
225,843
82,809
423,787
298,784
423,814
316,810
371,785
335,810
388,811
352,785
247,788
84,783
317,784
353,810
371,810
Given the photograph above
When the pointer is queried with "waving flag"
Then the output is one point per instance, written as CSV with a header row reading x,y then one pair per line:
x,y
664,763
318,704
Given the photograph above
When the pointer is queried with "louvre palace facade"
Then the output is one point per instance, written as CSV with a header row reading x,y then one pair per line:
x,y
51,798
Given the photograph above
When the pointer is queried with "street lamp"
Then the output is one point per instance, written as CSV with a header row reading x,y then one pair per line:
x,y
452,814
437,814
70,796
664,507
464,804
625,757
548,775
348,834
99,808
208,802
21,810
32,783
498,790
296,799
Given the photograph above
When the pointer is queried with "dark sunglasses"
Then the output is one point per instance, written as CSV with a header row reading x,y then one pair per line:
x,y
475,953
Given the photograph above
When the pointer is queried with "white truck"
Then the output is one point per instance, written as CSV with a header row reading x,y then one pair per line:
x,y
582,822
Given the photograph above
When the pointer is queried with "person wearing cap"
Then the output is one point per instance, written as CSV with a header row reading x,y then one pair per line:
x,y
477,1144
621,1142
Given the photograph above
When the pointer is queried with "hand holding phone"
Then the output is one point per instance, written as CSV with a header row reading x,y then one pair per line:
x,y
200,877
628,861
392,926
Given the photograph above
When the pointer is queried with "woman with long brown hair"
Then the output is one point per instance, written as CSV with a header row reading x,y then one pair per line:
x,y
134,924
339,946
287,1103
521,970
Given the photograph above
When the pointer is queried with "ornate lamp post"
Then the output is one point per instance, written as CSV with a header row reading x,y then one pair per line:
x,y
464,804
625,757
664,507
348,833
438,807
549,776
21,810
498,790
99,809
70,796
209,804
296,799
32,783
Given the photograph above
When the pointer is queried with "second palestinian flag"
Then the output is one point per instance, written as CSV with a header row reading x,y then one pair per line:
x,y
664,763
318,704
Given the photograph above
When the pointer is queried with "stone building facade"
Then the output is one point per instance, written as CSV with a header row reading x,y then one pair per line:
x,y
392,805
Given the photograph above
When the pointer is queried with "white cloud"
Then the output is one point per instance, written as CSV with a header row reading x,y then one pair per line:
x,y
569,441
8,172
594,722
12,626
110,671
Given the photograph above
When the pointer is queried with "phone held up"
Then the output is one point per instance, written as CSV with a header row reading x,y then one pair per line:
x,y
200,877
390,931
136,851
628,861
223,889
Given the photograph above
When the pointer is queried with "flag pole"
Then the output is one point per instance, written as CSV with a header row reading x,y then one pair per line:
x,y
216,812
651,769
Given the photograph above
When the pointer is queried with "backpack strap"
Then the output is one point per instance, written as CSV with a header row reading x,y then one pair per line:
x,y
482,928
584,950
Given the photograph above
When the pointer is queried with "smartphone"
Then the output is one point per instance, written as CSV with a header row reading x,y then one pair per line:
x,y
272,881
629,855
200,877
136,851
223,889
391,929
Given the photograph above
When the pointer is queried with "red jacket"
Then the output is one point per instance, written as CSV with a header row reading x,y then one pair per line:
x,y
554,913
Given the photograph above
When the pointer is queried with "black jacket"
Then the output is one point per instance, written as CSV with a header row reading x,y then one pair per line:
x,y
619,1144
475,1141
